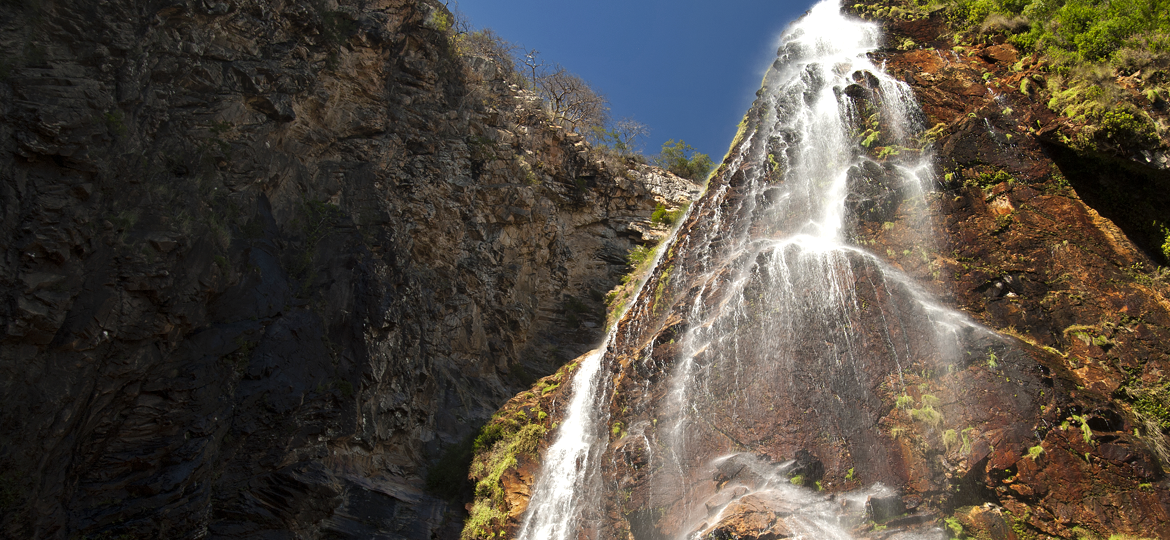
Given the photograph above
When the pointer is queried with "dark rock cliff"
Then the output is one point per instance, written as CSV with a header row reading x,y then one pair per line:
x,y
264,261
1056,427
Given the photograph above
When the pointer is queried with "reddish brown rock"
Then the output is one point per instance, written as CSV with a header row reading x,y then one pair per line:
x,y
754,517
1035,431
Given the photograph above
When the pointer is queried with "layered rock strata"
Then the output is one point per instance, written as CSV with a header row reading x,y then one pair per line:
x,y
265,261
1054,425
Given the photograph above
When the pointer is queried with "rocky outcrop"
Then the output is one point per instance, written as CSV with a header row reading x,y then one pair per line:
x,y
267,260
1039,253
1054,425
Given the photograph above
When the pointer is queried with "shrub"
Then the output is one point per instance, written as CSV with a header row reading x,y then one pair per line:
x,y
664,217
683,160
1124,125
950,437
927,415
621,136
509,440
487,44
639,256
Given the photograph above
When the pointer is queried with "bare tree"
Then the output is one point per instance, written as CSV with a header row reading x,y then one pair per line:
x,y
627,132
533,65
488,44
571,102
621,136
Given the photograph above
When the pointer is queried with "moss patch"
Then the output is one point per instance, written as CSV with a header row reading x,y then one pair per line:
x,y
511,438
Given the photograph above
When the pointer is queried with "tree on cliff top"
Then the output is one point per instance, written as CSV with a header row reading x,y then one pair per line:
x,y
682,159
570,100
487,44
621,136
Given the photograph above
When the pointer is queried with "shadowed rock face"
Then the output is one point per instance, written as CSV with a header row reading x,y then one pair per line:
x,y
266,260
1027,420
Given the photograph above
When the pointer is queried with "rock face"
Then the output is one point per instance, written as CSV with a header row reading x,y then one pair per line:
x,y
1050,424
266,260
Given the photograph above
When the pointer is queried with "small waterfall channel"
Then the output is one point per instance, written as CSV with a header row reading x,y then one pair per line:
x,y
770,326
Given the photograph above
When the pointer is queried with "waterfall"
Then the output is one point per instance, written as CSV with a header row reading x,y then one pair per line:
x,y
793,329
567,475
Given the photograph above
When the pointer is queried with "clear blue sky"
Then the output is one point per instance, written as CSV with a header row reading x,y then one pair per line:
x,y
688,69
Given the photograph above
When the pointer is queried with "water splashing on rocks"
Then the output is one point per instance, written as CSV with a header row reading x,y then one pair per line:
x,y
769,339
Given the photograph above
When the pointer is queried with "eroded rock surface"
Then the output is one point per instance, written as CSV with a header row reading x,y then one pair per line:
x,y
265,261
1045,427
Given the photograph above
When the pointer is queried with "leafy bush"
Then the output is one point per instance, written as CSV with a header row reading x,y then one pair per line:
x,y
639,256
1124,124
1071,31
509,440
666,218
682,159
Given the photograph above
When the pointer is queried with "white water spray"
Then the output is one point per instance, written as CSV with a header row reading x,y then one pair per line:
x,y
776,305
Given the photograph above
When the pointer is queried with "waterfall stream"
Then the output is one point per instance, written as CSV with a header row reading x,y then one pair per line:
x,y
792,324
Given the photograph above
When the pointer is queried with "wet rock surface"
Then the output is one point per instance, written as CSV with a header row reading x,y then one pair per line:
x,y
266,261
1043,427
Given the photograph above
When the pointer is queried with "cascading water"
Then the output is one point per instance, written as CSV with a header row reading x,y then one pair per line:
x,y
568,472
770,331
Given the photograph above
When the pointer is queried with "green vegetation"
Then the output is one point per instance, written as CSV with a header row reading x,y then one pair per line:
x,y
990,179
1035,451
950,437
440,20
682,159
1160,229
512,435
1086,431
640,256
954,527
489,511
1150,403
1020,524
666,218
870,137
508,436
544,387
1084,45
1089,335
1069,31
660,289
927,415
